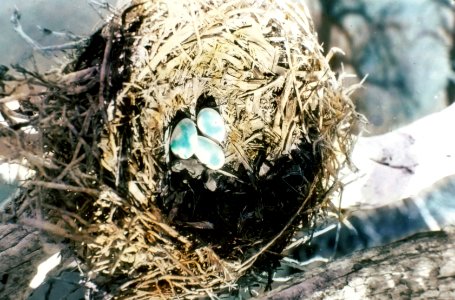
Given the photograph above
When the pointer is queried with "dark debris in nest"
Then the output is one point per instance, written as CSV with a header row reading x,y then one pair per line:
x,y
153,226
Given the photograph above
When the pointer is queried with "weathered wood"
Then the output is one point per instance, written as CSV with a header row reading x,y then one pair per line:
x,y
419,267
21,250
401,163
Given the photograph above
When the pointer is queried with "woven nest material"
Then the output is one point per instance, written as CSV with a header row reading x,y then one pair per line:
x,y
154,226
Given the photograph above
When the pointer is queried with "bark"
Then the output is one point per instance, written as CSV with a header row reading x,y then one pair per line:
x,y
21,250
418,267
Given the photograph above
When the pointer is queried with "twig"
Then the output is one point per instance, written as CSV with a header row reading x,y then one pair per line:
x,y
104,68
15,17
65,187
102,5
65,212
67,35
53,229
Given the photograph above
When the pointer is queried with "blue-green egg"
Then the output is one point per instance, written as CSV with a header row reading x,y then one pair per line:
x,y
211,124
209,153
184,139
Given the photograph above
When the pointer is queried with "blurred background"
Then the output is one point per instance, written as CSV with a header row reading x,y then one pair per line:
x,y
404,48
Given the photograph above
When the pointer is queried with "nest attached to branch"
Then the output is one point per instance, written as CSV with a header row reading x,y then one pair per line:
x,y
154,226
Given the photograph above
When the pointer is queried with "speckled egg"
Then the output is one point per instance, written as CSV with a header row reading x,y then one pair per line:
x,y
209,153
184,139
211,124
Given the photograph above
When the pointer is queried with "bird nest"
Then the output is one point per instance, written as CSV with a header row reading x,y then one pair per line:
x,y
150,223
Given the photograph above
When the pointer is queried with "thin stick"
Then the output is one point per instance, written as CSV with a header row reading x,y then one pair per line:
x,y
70,214
104,67
53,229
65,187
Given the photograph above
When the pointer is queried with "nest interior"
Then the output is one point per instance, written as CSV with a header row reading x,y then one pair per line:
x,y
159,226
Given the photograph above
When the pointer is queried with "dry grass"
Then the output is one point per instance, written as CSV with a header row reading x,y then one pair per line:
x,y
150,229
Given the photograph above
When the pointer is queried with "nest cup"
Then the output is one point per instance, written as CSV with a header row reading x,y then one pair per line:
x,y
156,226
